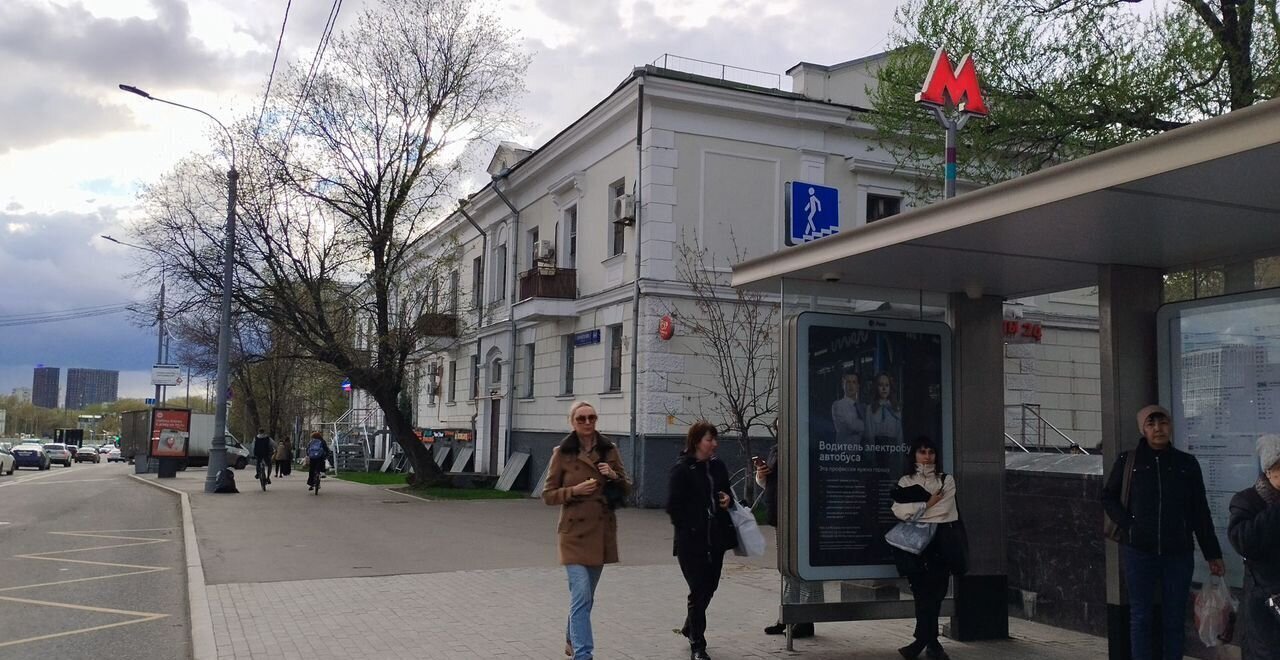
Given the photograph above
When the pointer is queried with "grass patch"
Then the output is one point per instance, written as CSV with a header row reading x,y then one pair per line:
x,y
373,478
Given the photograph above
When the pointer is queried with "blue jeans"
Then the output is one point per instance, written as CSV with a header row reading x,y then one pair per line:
x,y
1171,574
582,595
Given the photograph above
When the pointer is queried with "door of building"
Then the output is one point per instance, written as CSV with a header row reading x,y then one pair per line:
x,y
495,415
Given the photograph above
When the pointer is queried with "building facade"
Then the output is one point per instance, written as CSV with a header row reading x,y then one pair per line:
x,y
23,394
545,283
87,387
44,387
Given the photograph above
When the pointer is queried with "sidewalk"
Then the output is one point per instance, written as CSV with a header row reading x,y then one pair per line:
x,y
363,572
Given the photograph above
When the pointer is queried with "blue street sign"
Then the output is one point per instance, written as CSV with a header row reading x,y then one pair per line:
x,y
813,212
149,402
587,338
346,385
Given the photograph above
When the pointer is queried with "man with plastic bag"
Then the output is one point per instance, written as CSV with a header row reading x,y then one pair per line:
x,y
1155,496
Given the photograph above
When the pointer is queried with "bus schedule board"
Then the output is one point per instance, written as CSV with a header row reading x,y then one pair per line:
x,y
859,390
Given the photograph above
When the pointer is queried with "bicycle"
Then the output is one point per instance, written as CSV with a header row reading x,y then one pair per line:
x,y
264,473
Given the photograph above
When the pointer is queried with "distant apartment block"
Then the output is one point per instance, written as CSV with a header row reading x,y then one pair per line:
x,y
86,387
23,394
44,387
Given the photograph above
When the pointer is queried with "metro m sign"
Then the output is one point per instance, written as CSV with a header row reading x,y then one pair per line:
x,y
957,86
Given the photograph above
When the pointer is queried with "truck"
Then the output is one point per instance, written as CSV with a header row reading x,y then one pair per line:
x,y
69,437
135,440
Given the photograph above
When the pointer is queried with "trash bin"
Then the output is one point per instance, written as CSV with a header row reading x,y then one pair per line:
x,y
168,468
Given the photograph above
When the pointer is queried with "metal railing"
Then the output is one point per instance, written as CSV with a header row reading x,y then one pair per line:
x,y
1030,419
721,71
549,282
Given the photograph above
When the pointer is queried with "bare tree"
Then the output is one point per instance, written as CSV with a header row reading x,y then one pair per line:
x,y
341,183
738,332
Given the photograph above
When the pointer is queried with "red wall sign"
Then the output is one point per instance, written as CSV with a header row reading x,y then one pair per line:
x,y
956,86
666,327
1022,332
170,430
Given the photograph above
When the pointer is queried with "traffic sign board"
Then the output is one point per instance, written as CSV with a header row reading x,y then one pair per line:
x,y
813,212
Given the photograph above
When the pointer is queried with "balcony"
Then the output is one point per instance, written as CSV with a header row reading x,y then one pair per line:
x,y
437,325
547,292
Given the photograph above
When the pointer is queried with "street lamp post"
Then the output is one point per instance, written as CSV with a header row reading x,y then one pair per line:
x,y
218,451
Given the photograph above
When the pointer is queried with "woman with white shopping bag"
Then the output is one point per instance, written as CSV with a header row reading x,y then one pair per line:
x,y
926,495
698,501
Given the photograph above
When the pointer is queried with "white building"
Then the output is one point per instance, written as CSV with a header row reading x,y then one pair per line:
x,y
547,291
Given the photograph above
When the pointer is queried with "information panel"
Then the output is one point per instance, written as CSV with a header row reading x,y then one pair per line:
x,y
170,432
1220,378
865,388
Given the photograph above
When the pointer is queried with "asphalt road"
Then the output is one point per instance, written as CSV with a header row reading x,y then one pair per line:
x,y
91,566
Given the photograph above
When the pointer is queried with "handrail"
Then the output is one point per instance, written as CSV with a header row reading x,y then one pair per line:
x,y
1011,439
1073,443
1031,408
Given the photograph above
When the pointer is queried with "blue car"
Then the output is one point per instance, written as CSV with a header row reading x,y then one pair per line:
x,y
30,455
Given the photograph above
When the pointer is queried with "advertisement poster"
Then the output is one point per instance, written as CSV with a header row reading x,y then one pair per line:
x,y
170,430
868,387
1223,381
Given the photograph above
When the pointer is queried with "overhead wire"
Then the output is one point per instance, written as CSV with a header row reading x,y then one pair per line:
x,y
274,60
64,315
325,37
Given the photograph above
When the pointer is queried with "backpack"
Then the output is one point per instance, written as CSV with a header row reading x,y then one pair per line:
x,y
316,450
225,482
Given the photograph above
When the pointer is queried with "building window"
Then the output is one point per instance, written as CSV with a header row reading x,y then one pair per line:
x,y
477,281
571,237
566,360
500,273
882,206
617,232
454,281
529,353
453,381
435,296
533,247
495,371
615,358
433,383
475,376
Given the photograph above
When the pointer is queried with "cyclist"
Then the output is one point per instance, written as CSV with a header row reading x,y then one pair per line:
x,y
263,451
318,455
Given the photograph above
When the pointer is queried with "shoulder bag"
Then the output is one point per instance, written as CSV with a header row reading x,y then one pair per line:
x,y
1109,527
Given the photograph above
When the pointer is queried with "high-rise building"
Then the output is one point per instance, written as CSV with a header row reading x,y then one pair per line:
x,y
23,394
86,387
44,387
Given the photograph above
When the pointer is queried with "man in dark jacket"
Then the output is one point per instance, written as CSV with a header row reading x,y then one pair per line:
x,y
263,450
1166,507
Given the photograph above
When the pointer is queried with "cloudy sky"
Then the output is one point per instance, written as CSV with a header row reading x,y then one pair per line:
x,y
74,149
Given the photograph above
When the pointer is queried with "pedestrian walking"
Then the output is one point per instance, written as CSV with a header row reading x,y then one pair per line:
x,y
794,590
1166,507
318,455
263,451
926,494
587,481
284,451
698,497
1254,532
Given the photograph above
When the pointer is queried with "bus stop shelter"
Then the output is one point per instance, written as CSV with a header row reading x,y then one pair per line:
x,y
1205,195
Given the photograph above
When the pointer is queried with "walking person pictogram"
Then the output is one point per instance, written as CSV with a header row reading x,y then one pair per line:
x,y
813,208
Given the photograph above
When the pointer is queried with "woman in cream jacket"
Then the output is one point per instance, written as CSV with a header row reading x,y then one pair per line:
x,y
931,493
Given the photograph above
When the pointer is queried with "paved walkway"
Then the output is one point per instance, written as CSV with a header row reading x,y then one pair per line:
x,y
289,577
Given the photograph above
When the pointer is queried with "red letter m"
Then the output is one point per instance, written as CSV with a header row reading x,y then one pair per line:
x,y
958,86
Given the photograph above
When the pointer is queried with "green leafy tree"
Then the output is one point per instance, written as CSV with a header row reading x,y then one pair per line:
x,y
1066,78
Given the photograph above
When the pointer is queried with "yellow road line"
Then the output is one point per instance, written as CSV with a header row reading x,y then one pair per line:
x,y
28,640
84,579
87,608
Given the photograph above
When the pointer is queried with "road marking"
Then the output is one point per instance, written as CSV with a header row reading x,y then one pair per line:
x,y
19,481
138,617
76,481
5,523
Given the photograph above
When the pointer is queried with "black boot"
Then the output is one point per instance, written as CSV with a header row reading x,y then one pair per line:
x,y
935,651
775,629
912,651
801,630
699,654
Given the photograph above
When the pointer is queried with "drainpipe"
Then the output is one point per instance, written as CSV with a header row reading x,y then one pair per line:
x,y
511,302
635,294
484,259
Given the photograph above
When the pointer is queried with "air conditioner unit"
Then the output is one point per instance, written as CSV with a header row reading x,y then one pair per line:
x,y
544,251
624,211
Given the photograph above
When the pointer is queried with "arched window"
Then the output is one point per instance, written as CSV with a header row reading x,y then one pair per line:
x,y
495,371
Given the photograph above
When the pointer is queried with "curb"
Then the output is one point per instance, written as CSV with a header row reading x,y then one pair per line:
x,y
202,643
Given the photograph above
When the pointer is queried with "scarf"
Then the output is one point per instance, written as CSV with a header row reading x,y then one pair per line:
x,y
1268,492
926,471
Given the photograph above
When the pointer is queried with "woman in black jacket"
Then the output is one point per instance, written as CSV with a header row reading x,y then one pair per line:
x,y
698,502
1254,531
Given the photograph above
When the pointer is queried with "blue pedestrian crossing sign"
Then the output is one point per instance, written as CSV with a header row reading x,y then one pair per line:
x,y
813,212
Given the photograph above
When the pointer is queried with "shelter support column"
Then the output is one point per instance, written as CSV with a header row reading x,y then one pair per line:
x,y
1128,298
981,596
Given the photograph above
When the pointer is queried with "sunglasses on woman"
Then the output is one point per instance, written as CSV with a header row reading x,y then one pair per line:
x,y
583,419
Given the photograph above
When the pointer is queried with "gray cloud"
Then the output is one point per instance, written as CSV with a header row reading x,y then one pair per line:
x,y
38,115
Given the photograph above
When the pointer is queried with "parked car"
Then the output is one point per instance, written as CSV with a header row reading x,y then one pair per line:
x,y
114,455
89,454
7,462
58,453
30,455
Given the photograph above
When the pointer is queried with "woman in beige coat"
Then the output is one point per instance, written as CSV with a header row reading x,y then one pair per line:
x,y
284,454
587,481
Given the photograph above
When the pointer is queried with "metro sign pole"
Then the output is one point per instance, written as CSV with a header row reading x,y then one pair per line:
x,y
956,86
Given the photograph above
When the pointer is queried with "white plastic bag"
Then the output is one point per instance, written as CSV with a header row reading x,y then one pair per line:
x,y
750,540
1214,608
